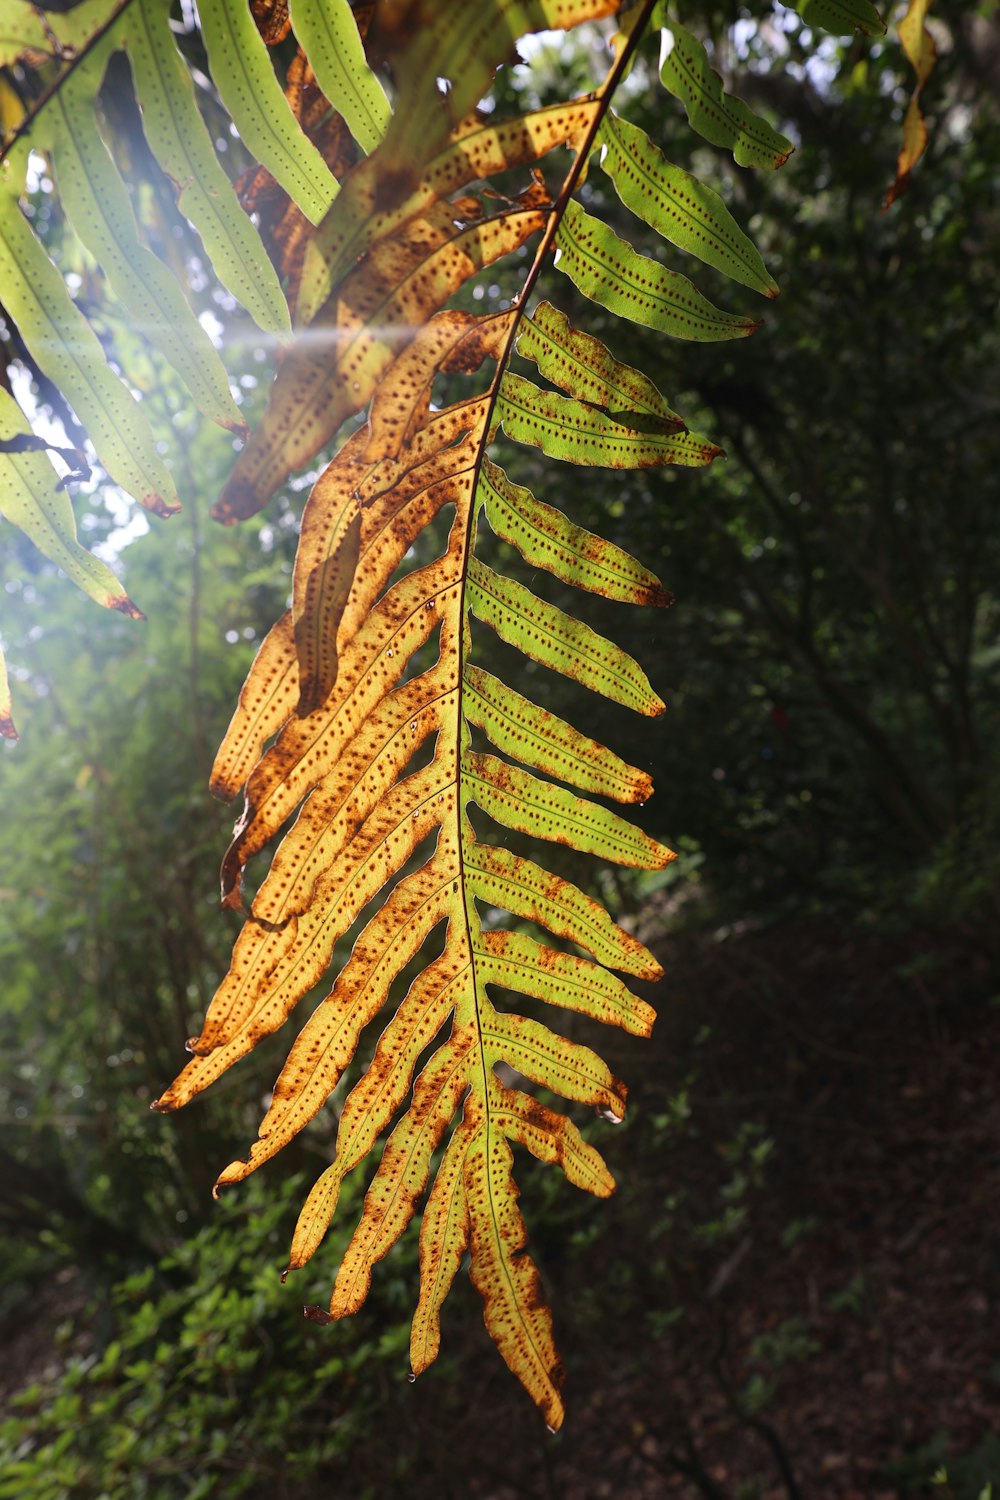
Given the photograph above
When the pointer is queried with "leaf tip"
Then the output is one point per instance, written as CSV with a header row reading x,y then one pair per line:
x,y
313,1313
231,889
160,505
896,191
237,502
237,1171
123,604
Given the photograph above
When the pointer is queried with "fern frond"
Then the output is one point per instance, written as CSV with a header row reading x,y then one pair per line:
x,y
245,78
328,34
339,704
842,17
718,117
921,49
31,498
66,348
73,50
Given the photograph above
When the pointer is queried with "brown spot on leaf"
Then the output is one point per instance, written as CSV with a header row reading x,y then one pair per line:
x,y
124,605
159,505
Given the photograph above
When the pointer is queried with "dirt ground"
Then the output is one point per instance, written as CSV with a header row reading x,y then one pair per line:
x,y
872,1064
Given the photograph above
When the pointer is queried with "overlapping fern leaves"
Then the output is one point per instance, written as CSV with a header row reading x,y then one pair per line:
x,y
364,711
66,57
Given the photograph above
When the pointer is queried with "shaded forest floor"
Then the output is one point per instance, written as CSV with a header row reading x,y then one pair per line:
x,y
865,1288
793,1295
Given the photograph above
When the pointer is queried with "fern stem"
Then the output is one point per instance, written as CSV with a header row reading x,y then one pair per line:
x,y
570,184
605,93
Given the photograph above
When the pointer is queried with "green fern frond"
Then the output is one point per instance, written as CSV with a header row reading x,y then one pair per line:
x,y
721,118
32,498
842,17
71,51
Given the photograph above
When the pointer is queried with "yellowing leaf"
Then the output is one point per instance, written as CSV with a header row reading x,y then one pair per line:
x,y
382,304
7,729
446,58
505,1277
381,762
388,766
919,46
370,209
